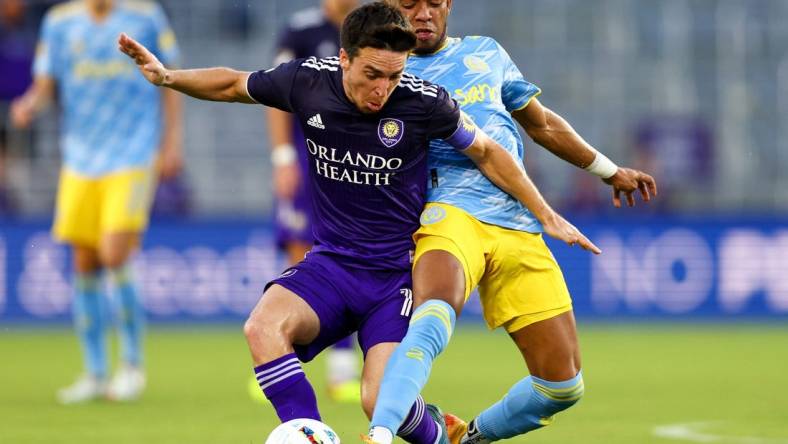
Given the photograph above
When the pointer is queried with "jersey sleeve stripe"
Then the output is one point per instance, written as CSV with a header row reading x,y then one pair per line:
x,y
528,102
246,86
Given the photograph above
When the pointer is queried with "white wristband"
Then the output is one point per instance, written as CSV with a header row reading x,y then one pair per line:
x,y
283,155
602,166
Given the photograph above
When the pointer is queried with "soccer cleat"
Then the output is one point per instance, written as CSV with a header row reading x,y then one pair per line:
x,y
348,392
473,435
437,415
366,439
455,428
127,384
86,388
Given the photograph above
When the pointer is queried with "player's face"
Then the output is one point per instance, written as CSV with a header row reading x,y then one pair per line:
x,y
371,76
428,18
99,5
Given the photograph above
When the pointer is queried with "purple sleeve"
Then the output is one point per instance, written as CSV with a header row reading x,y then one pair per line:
x,y
274,87
451,124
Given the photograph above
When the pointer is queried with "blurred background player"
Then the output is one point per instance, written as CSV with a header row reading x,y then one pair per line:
x,y
310,32
116,129
474,234
17,46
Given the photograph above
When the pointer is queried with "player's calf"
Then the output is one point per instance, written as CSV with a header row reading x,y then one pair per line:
x,y
279,320
530,404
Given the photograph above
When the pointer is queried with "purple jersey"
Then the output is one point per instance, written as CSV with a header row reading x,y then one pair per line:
x,y
368,171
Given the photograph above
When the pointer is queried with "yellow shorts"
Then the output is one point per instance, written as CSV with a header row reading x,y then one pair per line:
x,y
519,280
89,207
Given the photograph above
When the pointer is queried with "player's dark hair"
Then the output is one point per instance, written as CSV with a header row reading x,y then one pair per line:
x,y
377,25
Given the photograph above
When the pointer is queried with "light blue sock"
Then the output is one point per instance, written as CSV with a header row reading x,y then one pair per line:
x,y
529,405
90,322
410,364
130,315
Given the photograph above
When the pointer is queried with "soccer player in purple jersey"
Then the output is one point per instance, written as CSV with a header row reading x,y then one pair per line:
x,y
367,127
309,32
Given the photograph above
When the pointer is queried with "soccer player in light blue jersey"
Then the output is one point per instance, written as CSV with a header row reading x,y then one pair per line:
x,y
474,234
116,129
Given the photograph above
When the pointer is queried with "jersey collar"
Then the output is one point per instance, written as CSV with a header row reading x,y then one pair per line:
x,y
450,41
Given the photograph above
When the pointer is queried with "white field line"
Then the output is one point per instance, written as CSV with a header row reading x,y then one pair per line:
x,y
693,431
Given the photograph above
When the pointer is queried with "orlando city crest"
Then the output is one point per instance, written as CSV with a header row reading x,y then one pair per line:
x,y
390,131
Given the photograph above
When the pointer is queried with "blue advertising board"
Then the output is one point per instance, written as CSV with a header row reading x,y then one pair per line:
x,y
209,271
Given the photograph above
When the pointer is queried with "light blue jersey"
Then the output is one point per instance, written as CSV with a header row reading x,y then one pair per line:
x,y
111,114
479,74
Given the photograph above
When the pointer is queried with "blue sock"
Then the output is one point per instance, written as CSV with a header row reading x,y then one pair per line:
x,y
529,405
410,364
131,316
90,314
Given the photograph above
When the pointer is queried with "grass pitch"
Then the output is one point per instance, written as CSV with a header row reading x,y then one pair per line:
x,y
731,378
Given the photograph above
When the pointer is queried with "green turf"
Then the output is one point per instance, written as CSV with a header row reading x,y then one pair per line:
x,y
637,377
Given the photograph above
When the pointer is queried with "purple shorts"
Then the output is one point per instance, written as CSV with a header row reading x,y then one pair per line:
x,y
376,304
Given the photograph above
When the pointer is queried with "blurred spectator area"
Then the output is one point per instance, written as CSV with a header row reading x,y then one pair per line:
x,y
696,90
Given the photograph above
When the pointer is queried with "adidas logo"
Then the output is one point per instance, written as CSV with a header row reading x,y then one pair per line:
x,y
316,121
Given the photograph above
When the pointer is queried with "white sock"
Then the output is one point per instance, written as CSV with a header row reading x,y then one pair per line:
x,y
381,435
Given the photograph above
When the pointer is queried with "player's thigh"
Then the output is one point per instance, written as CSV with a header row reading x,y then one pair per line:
x,y
449,257
372,374
523,283
126,200
77,210
322,283
550,347
438,274
116,248
85,259
281,314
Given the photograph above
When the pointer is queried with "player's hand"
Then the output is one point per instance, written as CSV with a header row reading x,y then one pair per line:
x,y
149,65
559,228
170,161
286,180
628,181
22,112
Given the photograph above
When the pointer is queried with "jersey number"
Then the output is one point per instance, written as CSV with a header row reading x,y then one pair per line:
x,y
407,305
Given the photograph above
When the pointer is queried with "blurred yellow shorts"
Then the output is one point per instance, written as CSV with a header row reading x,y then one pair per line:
x,y
89,207
519,280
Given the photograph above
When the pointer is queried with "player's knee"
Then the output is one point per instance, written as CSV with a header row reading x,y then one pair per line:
x,y
113,259
261,333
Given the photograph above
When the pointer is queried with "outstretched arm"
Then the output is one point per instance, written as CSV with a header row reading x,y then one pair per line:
x,y
25,108
551,131
500,167
217,84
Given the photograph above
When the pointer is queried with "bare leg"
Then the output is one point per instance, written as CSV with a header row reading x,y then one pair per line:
x,y
550,347
280,320
552,354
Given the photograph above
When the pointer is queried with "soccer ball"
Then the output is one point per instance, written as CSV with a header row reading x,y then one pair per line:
x,y
302,431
